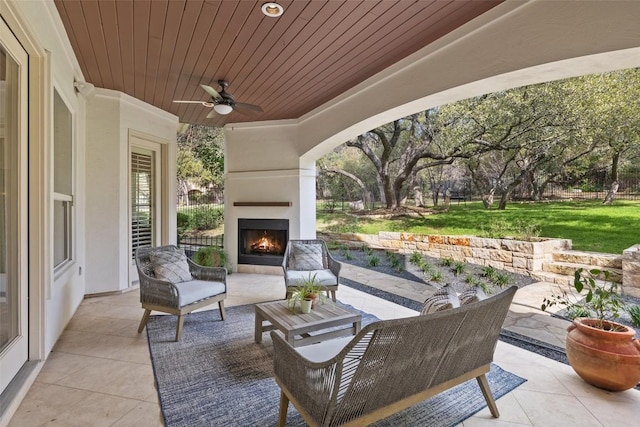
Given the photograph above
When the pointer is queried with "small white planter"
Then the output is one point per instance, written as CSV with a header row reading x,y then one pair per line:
x,y
305,306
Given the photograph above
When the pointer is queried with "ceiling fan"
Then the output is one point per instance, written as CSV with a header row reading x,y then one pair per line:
x,y
222,102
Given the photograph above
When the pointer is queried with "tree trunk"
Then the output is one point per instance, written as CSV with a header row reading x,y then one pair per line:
x,y
417,196
487,199
611,194
447,199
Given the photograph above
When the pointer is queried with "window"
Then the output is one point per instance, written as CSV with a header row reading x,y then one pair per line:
x,y
142,198
62,182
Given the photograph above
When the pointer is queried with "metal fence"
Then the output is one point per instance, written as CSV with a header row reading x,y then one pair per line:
x,y
592,187
200,220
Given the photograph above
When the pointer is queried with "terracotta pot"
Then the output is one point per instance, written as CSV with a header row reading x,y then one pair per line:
x,y
314,300
604,358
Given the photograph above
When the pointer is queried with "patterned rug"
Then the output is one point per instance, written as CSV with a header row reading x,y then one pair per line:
x,y
218,376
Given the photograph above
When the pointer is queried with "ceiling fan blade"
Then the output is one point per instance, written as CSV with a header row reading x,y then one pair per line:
x,y
247,108
212,114
211,91
189,102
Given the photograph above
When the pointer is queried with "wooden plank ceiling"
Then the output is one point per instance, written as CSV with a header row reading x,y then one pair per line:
x,y
162,50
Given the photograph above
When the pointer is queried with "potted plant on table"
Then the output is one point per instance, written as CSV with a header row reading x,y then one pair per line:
x,y
308,292
602,352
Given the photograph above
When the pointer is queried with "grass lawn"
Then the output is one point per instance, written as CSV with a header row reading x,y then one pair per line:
x,y
590,225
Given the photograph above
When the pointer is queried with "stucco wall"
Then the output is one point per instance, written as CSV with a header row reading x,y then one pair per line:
x,y
110,117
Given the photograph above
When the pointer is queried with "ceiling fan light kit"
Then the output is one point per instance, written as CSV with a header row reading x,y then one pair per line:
x,y
222,102
223,108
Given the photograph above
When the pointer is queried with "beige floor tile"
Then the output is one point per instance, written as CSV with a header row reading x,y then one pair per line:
x,y
611,413
95,410
44,403
61,365
105,346
117,378
554,410
511,413
143,415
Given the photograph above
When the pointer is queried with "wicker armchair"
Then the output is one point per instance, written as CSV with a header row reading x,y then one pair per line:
x,y
327,272
390,365
209,285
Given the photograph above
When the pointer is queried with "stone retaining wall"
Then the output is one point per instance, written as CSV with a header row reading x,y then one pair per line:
x,y
631,271
506,254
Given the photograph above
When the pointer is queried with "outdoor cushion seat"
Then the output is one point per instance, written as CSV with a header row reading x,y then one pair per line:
x,y
304,258
323,277
196,290
390,365
172,283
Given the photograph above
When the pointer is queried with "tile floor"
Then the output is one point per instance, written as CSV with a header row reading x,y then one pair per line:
x,y
99,373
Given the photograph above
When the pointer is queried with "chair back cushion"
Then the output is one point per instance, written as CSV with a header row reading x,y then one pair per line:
x,y
171,266
306,256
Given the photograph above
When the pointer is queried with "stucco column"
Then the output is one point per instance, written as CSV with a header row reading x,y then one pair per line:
x,y
262,166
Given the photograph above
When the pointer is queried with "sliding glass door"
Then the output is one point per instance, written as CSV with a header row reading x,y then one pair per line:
x,y
13,207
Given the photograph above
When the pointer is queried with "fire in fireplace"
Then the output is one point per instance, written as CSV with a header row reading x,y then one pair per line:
x,y
262,241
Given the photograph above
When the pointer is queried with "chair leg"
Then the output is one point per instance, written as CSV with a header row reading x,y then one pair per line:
x,y
221,306
179,327
145,318
284,407
333,296
488,396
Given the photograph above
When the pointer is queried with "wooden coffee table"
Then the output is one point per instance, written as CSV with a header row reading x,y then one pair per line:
x,y
297,327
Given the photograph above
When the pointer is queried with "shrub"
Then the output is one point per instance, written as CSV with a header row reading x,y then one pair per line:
x,y
182,220
469,279
446,262
212,256
206,218
416,258
346,253
426,267
458,268
396,263
489,272
437,277
502,280
634,313
373,260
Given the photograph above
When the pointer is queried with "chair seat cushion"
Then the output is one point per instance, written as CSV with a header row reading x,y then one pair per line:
x,y
195,290
323,277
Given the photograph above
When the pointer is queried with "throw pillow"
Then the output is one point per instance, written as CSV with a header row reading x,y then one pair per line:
x,y
170,266
472,295
307,256
444,298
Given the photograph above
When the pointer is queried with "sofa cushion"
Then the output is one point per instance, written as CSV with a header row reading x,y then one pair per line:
x,y
306,256
444,298
323,277
195,290
324,350
170,265
471,295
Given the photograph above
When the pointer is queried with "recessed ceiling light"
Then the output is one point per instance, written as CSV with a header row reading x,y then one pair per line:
x,y
272,10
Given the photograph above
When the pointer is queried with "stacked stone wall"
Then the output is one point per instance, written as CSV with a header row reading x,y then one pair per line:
x,y
506,254
631,271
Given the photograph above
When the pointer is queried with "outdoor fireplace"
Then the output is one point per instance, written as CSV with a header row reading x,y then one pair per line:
x,y
262,241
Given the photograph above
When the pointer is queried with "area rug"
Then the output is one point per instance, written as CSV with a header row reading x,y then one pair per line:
x,y
218,375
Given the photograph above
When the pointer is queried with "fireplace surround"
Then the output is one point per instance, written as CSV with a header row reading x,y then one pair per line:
x,y
262,241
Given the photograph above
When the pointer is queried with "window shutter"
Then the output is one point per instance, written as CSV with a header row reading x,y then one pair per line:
x,y
142,177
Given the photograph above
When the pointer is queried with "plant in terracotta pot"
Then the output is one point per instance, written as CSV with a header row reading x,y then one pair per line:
x,y
602,352
307,294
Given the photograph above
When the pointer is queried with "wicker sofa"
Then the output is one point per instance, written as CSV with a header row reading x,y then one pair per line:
x,y
390,365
